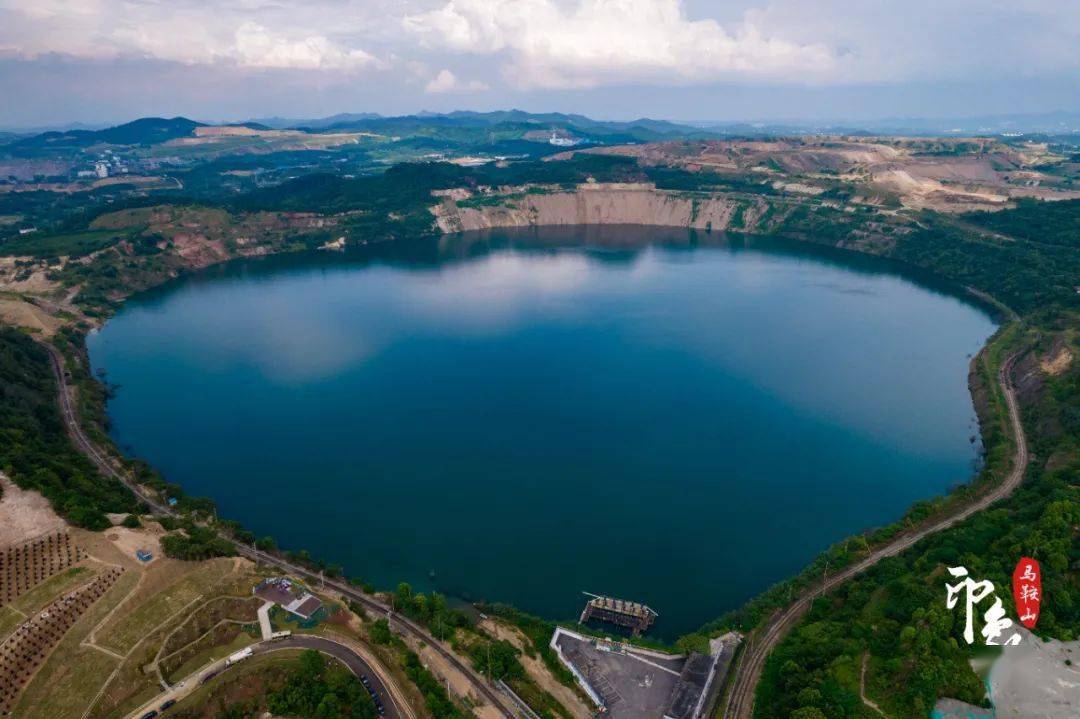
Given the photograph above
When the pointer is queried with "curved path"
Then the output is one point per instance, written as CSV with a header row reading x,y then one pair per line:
x,y
402,623
740,698
350,658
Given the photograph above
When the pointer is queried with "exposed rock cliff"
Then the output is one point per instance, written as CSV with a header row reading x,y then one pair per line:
x,y
596,204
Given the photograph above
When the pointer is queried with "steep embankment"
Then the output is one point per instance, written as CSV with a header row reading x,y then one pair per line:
x,y
599,204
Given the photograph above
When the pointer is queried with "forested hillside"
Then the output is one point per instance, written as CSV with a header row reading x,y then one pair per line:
x,y
34,449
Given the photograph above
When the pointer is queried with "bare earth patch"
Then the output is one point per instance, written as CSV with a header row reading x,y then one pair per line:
x,y
1057,363
24,514
129,541
19,313
26,274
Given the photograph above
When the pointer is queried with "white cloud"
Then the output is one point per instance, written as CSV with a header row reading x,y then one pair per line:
x,y
258,47
595,42
245,34
527,48
447,81
497,291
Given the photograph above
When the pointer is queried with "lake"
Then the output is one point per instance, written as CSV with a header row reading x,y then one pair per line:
x,y
679,419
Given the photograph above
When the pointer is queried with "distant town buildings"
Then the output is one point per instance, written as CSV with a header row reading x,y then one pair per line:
x,y
562,141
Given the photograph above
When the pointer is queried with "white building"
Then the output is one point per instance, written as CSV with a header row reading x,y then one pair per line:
x,y
558,141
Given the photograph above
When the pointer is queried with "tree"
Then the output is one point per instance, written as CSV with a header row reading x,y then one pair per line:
x,y
808,713
380,631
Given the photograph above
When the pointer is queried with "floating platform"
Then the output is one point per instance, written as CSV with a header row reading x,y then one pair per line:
x,y
634,616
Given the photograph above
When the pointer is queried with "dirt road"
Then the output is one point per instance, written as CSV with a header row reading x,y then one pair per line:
x,y
740,699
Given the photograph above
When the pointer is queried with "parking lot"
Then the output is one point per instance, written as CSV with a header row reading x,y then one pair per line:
x,y
632,684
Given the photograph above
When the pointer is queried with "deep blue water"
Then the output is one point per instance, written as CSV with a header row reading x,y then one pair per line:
x,y
680,420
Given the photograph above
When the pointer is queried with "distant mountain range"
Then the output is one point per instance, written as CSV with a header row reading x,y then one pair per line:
x,y
507,129
503,131
1027,123
466,117
464,126
283,123
145,131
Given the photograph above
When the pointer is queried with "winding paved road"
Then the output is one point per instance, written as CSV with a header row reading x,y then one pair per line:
x,y
345,654
740,699
402,623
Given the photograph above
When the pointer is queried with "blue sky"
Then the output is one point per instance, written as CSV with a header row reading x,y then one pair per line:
x,y
111,60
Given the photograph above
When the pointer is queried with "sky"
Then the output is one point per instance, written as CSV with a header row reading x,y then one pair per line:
x,y
98,61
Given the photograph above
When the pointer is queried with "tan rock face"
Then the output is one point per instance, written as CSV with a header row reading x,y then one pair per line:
x,y
597,205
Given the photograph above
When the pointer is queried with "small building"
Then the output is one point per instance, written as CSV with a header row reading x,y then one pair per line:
x,y
304,606
144,555
290,596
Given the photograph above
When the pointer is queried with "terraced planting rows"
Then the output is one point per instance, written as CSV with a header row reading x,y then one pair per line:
x,y
24,566
29,645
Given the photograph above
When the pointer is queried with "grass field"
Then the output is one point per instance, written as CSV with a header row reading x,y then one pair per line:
x,y
131,685
206,656
9,619
157,600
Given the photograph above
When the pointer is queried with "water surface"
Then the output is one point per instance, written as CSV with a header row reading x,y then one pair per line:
x,y
677,419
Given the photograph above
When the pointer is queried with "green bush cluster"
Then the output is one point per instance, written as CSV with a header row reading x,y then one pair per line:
x,y
317,689
197,542
431,611
496,659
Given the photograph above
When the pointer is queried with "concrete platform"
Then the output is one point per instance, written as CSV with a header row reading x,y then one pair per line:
x,y
631,684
